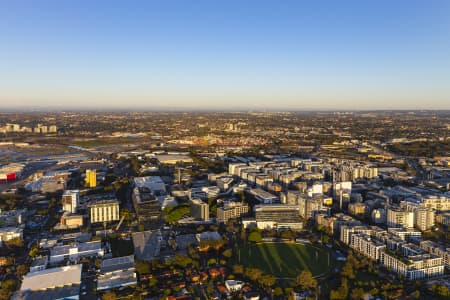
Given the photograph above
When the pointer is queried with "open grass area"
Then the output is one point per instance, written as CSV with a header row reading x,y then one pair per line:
x,y
286,259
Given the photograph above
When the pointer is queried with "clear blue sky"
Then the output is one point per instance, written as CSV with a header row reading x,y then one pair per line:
x,y
225,54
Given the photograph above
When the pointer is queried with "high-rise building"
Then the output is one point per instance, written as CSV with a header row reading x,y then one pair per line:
x,y
91,178
104,211
199,209
148,195
424,218
52,129
400,217
70,200
310,206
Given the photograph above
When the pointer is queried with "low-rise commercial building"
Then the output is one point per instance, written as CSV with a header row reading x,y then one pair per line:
x,y
75,251
278,216
70,221
9,233
262,196
117,272
55,283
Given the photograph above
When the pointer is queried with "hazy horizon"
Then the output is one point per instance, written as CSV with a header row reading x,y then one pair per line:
x,y
231,55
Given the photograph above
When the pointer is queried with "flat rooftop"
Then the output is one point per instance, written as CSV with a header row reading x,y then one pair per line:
x,y
51,278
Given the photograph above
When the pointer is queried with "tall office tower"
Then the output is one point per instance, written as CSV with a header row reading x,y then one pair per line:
x,y
91,178
199,209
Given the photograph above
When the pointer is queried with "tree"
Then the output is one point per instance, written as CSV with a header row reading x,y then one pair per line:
x,y
415,294
287,234
109,296
152,282
33,252
253,273
238,269
357,294
341,292
278,292
267,280
21,270
212,261
348,269
142,267
306,281
182,260
255,237
125,212
442,290
193,252
9,285
227,253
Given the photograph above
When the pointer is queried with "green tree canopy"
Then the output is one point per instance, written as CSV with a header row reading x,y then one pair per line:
x,y
306,280
255,237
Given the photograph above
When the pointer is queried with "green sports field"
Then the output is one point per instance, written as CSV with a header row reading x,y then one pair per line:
x,y
286,259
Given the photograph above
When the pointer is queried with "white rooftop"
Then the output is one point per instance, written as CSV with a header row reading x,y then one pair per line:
x,y
50,278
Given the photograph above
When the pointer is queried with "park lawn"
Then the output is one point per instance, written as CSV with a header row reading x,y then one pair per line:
x,y
286,259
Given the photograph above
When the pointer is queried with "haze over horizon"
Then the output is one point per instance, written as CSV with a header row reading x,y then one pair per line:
x,y
233,55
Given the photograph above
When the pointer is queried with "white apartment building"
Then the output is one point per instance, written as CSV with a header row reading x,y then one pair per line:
x,y
400,217
436,249
367,246
231,210
405,234
414,267
424,218
437,203
348,231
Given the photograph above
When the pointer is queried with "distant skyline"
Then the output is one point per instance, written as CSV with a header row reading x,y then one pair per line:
x,y
232,55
